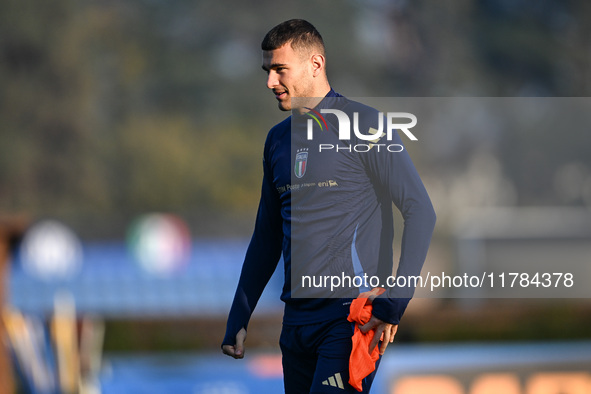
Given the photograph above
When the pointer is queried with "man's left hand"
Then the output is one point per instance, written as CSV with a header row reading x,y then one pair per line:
x,y
384,331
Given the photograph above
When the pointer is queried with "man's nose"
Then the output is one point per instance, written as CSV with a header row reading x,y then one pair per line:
x,y
272,80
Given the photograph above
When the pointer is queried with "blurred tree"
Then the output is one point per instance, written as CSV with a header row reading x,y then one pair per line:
x,y
109,109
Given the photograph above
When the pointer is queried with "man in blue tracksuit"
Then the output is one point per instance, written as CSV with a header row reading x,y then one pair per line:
x,y
326,204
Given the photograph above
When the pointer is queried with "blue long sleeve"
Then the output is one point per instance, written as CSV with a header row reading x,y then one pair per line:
x,y
261,259
400,181
330,214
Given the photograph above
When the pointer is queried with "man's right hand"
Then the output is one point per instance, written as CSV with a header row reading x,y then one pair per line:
x,y
236,351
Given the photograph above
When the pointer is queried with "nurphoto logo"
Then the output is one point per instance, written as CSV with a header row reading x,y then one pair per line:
x,y
373,135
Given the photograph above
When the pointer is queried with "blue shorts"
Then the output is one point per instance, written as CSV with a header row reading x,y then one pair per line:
x,y
316,358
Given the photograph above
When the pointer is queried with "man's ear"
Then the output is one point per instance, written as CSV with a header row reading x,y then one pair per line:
x,y
318,63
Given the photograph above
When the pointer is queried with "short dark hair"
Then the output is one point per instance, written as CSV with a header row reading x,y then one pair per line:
x,y
300,33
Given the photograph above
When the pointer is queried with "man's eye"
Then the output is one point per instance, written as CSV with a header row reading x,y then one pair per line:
x,y
279,69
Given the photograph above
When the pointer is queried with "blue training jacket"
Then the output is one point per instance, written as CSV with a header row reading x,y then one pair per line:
x,y
329,211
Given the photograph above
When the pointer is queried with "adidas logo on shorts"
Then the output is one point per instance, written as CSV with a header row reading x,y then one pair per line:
x,y
334,381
